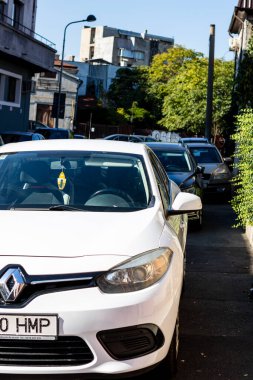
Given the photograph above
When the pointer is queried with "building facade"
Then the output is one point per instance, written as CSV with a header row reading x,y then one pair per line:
x,y
22,54
46,86
241,29
121,47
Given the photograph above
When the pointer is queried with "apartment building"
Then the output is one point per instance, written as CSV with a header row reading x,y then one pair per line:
x,y
121,47
22,54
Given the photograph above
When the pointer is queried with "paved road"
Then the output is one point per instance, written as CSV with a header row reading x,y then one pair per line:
x,y
216,318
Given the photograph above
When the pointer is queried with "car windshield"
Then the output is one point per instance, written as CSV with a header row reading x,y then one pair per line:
x,y
205,155
64,180
174,161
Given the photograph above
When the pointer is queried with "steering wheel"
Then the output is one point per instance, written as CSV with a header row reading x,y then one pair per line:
x,y
114,191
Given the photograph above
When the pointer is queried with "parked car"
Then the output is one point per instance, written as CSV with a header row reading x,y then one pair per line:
x,y
123,137
186,140
146,138
217,175
54,133
18,136
91,283
33,124
77,136
181,167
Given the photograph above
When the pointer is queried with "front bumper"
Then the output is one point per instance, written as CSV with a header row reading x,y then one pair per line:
x,y
98,323
215,187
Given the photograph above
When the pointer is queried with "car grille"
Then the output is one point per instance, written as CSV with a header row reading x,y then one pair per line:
x,y
42,284
65,351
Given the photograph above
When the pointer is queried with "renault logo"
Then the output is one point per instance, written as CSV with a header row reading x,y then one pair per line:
x,y
11,284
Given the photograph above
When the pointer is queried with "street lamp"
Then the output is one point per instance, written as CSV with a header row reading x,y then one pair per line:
x,y
90,18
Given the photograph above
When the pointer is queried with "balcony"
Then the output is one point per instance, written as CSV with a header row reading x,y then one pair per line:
x,y
24,44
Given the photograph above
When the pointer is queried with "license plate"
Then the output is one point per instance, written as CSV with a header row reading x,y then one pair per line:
x,y
34,327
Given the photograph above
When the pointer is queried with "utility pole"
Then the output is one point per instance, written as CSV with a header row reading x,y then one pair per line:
x,y
209,103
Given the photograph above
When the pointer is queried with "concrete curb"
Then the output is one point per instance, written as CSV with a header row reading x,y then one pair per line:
x,y
249,234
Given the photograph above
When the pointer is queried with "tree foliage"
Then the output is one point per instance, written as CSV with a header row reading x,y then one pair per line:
x,y
172,92
242,200
184,106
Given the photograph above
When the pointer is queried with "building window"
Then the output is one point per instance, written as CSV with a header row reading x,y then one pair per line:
x,y
2,10
92,35
17,13
10,88
48,74
92,51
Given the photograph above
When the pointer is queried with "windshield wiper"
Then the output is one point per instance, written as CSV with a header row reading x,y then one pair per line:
x,y
64,208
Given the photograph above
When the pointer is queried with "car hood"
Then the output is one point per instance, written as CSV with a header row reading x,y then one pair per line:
x,y
209,168
179,177
76,234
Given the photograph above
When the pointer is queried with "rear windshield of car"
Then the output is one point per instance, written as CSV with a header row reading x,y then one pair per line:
x,y
174,161
205,155
96,181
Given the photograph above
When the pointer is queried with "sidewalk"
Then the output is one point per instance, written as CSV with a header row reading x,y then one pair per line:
x,y
216,320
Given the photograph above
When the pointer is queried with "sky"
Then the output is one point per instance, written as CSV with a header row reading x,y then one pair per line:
x,y
187,21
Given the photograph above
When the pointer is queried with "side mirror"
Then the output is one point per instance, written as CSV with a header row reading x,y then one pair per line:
x,y
228,160
200,169
185,203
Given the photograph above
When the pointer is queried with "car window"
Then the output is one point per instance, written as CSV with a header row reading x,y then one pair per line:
x,y
205,155
174,161
85,180
162,180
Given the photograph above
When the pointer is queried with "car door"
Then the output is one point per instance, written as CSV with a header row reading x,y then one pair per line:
x,y
168,191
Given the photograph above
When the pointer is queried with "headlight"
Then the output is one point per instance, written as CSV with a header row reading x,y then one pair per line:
x,y
222,172
136,273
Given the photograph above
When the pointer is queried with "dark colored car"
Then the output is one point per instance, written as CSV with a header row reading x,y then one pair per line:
x,y
77,136
33,124
124,137
53,133
182,169
18,136
146,138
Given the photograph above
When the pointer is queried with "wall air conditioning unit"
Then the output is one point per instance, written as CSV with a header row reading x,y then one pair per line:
x,y
234,44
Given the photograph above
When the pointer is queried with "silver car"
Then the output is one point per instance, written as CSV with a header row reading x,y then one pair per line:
x,y
217,175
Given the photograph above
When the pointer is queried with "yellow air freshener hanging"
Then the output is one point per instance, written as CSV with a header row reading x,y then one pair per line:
x,y
61,181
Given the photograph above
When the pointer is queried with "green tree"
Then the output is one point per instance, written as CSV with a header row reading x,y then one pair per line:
x,y
166,66
184,105
127,88
128,96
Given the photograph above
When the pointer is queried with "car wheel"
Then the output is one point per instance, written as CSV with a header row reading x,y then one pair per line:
x,y
168,367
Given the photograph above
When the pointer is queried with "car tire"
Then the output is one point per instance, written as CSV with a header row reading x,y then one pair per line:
x,y
168,367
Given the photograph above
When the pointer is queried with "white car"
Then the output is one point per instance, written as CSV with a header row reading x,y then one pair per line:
x,y
92,258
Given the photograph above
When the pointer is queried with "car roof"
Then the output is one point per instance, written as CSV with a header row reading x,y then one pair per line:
x,y
24,133
49,128
201,145
76,144
203,139
166,146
